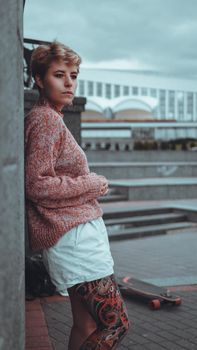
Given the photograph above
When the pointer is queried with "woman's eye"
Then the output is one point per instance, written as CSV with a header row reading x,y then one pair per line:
x,y
59,75
74,77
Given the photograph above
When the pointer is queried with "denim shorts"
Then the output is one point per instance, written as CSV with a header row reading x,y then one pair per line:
x,y
81,255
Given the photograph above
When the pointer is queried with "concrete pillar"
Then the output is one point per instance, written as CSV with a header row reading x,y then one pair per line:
x,y
72,117
11,177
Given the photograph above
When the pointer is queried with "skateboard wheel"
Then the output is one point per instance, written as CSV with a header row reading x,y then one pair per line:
x,y
155,304
126,279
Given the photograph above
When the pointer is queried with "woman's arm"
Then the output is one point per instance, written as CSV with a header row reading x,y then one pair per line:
x,y
43,186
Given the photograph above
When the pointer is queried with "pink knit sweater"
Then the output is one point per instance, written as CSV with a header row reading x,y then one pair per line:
x,y
61,191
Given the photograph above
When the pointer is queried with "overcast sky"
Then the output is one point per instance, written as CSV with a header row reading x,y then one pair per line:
x,y
159,35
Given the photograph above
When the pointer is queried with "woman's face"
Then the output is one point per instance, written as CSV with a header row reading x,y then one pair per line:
x,y
59,83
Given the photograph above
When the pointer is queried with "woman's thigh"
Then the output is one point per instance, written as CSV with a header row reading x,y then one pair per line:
x,y
82,319
104,302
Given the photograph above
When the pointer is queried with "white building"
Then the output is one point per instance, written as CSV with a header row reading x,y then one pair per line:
x,y
129,95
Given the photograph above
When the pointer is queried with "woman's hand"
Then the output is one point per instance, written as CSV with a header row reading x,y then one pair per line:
x,y
104,185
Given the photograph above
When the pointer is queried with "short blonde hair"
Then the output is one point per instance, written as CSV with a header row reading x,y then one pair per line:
x,y
44,55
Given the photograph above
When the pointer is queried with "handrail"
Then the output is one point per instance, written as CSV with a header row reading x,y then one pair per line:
x,y
35,41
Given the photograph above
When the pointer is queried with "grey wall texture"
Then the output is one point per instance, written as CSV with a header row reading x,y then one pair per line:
x,y
11,177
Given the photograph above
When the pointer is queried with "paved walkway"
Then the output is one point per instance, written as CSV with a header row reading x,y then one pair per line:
x,y
168,260
172,328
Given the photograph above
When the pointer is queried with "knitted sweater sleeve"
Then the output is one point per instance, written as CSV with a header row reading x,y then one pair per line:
x,y
42,185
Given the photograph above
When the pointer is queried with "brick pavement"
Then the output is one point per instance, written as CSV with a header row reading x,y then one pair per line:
x,y
172,328
163,258
37,336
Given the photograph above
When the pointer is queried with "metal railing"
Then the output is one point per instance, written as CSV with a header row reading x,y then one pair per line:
x,y
126,136
32,43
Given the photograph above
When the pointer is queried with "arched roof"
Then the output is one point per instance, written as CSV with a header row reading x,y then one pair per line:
x,y
93,105
99,104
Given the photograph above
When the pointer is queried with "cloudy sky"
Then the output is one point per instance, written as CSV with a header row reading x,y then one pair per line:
x,y
158,35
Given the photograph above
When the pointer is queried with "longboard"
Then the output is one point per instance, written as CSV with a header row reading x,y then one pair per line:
x,y
153,295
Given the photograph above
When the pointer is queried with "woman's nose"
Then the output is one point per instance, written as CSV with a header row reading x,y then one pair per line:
x,y
68,81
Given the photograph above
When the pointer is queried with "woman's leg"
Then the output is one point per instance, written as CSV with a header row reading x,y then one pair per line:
x,y
104,302
83,323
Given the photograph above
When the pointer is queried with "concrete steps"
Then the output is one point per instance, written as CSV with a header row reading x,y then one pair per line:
x,y
130,170
156,188
142,231
117,211
146,175
147,219
113,195
139,223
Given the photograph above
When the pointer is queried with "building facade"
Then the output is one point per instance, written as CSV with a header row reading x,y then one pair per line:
x,y
142,95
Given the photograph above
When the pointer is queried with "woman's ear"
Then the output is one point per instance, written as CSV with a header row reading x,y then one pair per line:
x,y
39,81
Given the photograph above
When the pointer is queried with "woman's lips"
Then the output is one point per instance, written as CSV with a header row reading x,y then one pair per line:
x,y
69,93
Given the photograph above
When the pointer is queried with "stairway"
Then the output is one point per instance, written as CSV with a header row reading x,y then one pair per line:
x,y
138,223
156,188
149,169
145,175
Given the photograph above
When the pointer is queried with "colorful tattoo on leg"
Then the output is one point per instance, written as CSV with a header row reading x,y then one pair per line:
x,y
104,302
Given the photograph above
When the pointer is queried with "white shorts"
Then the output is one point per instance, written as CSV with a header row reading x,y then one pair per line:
x,y
81,254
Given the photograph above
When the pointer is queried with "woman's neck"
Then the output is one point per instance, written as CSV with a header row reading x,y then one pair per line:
x,y
43,101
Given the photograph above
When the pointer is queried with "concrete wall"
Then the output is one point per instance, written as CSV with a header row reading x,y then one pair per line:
x,y
72,117
11,177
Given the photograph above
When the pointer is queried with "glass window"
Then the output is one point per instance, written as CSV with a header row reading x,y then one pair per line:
x,y
99,89
125,90
135,90
117,90
171,102
190,103
162,94
90,88
180,104
180,95
162,103
171,94
81,88
108,90
163,111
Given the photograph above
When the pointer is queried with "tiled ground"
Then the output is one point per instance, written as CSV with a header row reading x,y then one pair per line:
x,y
36,328
169,258
172,328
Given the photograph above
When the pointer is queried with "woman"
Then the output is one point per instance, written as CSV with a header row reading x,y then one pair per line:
x,y
64,216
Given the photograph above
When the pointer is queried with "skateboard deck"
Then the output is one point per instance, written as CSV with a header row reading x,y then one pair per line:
x,y
153,295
